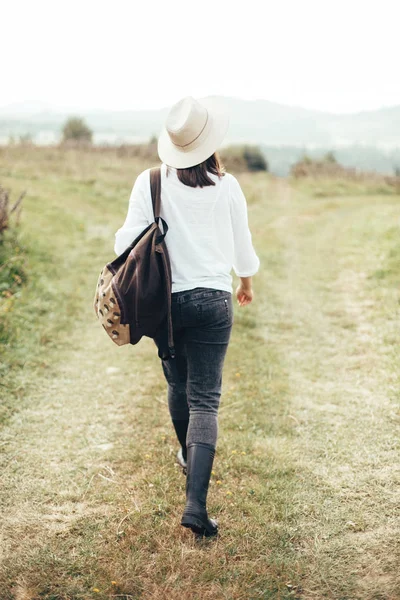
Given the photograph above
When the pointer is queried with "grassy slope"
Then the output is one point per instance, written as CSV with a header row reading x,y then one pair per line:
x,y
306,476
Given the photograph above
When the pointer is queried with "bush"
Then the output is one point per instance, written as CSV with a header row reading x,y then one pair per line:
x,y
76,130
243,158
12,263
327,166
254,158
330,158
12,266
6,211
333,179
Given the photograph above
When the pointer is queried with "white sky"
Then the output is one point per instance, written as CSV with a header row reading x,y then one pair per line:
x,y
341,56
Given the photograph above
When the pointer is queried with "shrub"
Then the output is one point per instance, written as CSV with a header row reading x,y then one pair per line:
x,y
12,263
254,158
327,166
332,178
6,211
330,158
76,130
243,158
12,266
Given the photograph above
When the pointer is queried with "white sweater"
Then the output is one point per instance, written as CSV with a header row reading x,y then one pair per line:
x,y
208,229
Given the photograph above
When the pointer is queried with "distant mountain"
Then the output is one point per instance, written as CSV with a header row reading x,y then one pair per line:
x,y
275,125
258,121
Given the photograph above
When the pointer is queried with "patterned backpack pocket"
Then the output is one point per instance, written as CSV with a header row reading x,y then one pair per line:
x,y
109,310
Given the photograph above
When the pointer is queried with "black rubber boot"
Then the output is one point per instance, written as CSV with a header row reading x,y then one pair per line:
x,y
200,459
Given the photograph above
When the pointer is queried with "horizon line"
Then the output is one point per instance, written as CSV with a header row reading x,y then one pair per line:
x,y
54,108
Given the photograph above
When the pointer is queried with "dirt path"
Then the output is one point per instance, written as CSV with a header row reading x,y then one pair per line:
x,y
341,359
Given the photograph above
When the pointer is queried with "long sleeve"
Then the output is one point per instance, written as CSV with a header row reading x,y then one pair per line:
x,y
246,262
138,217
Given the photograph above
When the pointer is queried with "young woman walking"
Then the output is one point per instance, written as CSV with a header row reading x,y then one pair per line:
x,y
208,235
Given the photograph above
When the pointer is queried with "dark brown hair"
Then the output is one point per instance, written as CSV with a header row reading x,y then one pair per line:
x,y
198,176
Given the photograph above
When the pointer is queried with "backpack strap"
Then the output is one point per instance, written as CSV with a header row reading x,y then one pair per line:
x,y
155,186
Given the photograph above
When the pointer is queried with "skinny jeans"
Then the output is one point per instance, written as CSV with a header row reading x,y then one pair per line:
x,y
202,321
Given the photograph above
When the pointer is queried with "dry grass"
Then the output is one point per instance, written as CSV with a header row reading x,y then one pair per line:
x,y
307,457
330,169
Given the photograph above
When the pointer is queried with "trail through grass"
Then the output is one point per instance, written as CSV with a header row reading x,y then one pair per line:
x,y
306,476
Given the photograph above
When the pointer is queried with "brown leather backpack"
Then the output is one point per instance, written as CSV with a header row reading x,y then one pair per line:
x,y
133,294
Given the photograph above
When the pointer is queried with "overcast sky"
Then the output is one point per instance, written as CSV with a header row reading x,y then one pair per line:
x,y
339,56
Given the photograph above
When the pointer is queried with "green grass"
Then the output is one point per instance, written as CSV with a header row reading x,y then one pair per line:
x,y
12,276
306,476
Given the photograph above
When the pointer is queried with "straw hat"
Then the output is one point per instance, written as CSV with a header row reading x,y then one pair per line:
x,y
193,131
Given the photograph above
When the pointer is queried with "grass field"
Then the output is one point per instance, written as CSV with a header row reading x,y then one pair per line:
x,y
306,480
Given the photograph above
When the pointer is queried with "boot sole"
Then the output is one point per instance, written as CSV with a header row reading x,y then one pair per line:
x,y
197,526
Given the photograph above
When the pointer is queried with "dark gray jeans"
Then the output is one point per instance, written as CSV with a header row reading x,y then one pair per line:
x,y
202,322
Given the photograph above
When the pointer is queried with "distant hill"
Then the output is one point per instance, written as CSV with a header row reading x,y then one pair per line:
x,y
364,158
276,124
365,140
258,121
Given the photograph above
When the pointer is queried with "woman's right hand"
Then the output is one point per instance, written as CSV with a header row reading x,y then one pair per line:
x,y
244,291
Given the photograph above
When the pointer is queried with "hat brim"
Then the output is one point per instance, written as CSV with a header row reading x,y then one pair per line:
x,y
173,156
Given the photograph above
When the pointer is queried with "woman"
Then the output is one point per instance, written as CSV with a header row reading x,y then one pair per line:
x,y
208,235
